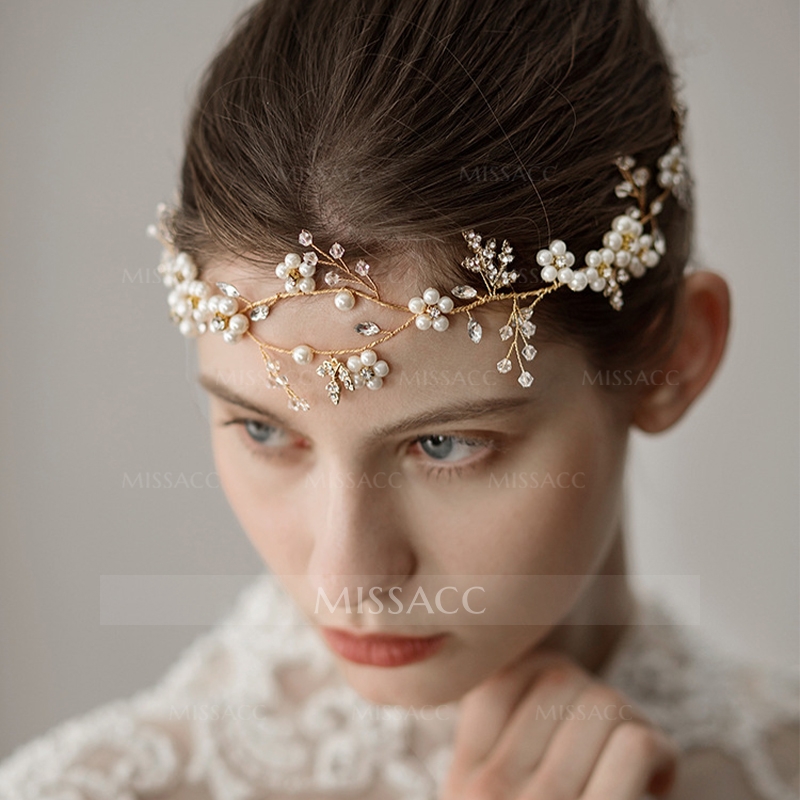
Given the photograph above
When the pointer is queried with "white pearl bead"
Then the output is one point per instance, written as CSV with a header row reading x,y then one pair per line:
x,y
302,354
292,260
570,259
591,274
344,301
368,358
565,275
375,383
651,258
430,296
416,305
230,337
593,259
307,270
549,274
354,363
544,257
441,323
578,282
306,285
238,323
291,286
358,380
423,322
607,254
446,304
613,240
228,306
202,313
213,303
188,328
381,369
282,270
598,284
198,289
557,247
622,223
623,258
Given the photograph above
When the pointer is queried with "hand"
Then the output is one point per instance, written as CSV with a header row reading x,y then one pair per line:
x,y
546,729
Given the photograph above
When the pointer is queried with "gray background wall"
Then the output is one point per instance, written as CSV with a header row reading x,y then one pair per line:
x,y
92,101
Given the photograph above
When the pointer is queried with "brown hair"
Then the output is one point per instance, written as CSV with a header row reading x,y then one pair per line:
x,y
393,125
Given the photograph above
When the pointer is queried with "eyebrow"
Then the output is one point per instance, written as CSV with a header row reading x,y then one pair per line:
x,y
463,410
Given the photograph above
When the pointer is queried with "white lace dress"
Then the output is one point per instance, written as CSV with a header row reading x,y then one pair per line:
x,y
256,708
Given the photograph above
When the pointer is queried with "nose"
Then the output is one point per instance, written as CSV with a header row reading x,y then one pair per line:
x,y
359,534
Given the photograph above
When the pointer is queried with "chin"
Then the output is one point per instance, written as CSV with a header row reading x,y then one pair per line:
x,y
415,685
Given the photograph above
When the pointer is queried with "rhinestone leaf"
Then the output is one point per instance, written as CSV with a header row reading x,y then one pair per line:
x,y
529,352
337,251
506,332
504,365
367,328
525,379
305,238
258,313
362,268
226,288
464,292
474,330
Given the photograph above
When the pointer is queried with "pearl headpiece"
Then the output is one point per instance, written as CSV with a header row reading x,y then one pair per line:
x,y
632,245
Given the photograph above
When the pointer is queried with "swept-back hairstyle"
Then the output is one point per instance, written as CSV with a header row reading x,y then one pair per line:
x,y
393,125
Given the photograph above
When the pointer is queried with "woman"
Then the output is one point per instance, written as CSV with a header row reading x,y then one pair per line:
x,y
451,616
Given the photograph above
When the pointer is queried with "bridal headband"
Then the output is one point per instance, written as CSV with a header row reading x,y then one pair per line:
x,y
632,245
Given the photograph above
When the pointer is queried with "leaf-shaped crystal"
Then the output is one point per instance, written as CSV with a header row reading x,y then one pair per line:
x,y
474,330
227,289
367,328
258,313
464,292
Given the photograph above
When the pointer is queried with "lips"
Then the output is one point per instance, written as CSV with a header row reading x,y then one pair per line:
x,y
380,650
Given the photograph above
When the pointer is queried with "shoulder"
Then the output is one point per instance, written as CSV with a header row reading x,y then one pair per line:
x,y
736,721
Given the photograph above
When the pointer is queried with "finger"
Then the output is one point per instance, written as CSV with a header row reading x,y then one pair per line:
x,y
535,721
634,755
486,709
576,745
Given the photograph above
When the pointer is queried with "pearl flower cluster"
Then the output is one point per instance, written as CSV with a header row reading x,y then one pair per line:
x,y
629,249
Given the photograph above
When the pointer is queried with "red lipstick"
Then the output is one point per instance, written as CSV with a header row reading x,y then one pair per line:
x,y
380,650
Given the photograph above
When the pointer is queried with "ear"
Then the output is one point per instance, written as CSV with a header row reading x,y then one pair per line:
x,y
704,320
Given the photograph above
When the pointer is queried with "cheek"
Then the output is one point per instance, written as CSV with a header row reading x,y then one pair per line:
x,y
258,495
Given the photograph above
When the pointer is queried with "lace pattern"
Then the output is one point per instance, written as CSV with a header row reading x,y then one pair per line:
x,y
221,718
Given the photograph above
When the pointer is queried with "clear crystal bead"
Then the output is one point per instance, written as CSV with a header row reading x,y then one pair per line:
x,y
504,365
227,289
217,324
337,251
367,328
311,258
305,238
659,243
434,311
506,332
656,207
362,268
258,313
464,292
641,176
525,379
529,352
623,189
528,329
526,313
474,330
332,278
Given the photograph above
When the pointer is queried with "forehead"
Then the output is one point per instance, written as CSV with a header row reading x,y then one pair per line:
x,y
428,369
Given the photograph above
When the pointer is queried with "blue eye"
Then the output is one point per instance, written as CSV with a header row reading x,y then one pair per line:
x,y
441,448
268,437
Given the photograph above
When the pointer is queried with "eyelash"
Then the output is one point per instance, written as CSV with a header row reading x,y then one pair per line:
x,y
431,470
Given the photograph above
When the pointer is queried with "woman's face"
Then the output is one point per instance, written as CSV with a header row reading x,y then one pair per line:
x,y
375,493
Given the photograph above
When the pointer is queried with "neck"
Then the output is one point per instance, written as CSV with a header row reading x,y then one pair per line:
x,y
585,633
